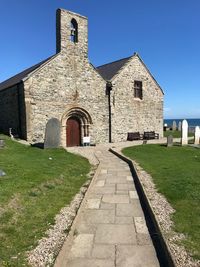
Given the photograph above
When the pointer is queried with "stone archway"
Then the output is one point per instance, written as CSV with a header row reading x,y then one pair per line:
x,y
73,132
76,124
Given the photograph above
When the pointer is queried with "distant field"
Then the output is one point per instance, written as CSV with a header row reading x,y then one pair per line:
x,y
37,185
176,173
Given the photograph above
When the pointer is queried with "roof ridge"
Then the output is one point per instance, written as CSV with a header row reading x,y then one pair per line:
x,y
113,62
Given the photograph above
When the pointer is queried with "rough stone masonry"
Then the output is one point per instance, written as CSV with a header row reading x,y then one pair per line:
x,y
69,88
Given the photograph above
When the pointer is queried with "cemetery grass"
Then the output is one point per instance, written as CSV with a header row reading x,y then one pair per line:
x,y
38,183
175,134
176,174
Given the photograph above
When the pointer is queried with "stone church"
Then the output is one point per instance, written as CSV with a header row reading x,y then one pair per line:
x,y
104,103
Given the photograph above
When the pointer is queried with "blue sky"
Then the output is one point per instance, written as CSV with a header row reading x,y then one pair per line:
x,y
166,34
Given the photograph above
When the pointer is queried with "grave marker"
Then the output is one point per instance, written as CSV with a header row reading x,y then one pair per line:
x,y
174,126
170,140
179,126
52,133
197,135
184,133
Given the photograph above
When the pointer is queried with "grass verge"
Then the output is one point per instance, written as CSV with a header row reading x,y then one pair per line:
x,y
38,183
176,173
175,134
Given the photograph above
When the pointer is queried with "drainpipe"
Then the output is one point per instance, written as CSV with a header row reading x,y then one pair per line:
x,y
108,89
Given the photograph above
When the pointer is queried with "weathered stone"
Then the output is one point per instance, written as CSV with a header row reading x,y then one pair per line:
x,y
131,209
93,203
103,251
179,125
115,234
52,134
140,225
133,194
68,86
184,139
170,140
197,135
115,199
82,246
174,126
2,173
2,143
135,256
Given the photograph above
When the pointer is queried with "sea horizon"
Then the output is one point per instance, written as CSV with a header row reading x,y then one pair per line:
x,y
192,122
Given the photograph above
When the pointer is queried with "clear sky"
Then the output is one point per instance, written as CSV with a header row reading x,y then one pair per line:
x,y
165,33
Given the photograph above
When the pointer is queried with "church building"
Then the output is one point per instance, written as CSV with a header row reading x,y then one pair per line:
x,y
103,103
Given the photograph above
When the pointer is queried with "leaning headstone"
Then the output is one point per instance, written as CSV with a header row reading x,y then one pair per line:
x,y
52,133
184,133
197,135
179,126
170,140
174,126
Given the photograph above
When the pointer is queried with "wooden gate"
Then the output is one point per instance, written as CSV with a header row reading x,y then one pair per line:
x,y
73,132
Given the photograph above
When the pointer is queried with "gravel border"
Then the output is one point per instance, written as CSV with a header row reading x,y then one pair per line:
x,y
163,212
48,247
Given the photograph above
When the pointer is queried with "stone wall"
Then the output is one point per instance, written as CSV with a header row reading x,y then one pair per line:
x,y
64,83
9,115
131,114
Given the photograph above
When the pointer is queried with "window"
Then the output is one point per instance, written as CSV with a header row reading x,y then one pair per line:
x,y
138,89
74,31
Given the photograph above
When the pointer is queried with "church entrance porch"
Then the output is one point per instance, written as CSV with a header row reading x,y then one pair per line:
x,y
73,132
76,124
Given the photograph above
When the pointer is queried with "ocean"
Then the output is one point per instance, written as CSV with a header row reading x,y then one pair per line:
x,y
191,122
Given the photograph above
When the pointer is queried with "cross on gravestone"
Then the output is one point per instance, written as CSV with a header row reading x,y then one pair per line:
x,y
170,140
179,126
52,133
184,133
197,135
174,126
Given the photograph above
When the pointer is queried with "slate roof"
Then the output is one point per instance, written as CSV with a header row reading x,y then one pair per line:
x,y
108,71
20,76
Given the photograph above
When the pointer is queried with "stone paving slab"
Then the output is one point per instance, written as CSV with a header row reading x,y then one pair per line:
x,y
136,256
115,234
110,228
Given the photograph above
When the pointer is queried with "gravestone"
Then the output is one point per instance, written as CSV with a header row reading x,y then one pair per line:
x,y
52,133
184,133
2,173
2,143
170,140
179,126
174,126
197,135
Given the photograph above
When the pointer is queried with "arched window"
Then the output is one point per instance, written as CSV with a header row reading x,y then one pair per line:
x,y
74,31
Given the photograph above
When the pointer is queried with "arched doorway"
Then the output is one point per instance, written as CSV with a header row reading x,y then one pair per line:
x,y
73,132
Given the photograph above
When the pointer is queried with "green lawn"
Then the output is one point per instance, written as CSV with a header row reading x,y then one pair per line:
x,y
37,185
175,134
176,173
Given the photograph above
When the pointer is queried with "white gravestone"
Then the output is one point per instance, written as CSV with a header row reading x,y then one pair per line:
x,y
197,135
184,139
174,126
179,126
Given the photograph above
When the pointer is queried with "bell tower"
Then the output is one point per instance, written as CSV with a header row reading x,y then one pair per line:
x,y
71,33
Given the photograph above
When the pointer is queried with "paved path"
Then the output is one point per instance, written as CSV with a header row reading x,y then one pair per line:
x,y
110,229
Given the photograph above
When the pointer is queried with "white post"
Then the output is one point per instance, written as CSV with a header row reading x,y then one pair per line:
x,y
197,135
184,139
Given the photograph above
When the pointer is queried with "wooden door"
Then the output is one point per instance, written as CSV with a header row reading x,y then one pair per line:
x,y
73,132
